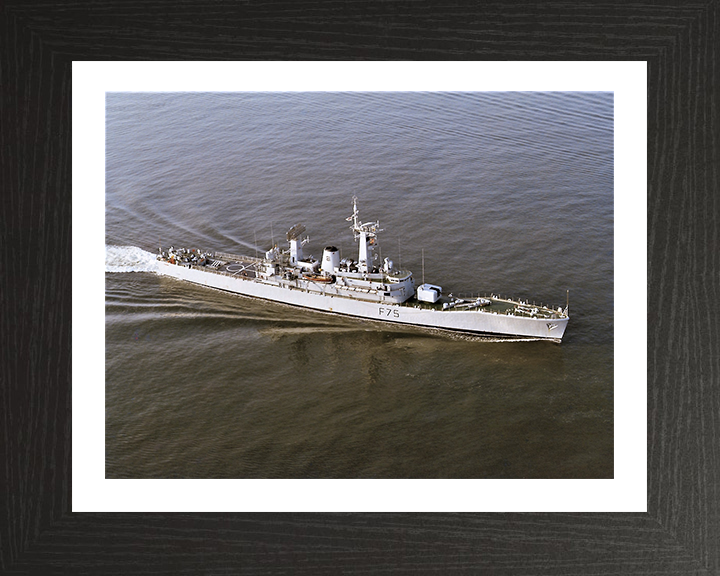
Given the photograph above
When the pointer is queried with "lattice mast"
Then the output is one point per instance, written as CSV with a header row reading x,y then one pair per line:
x,y
366,233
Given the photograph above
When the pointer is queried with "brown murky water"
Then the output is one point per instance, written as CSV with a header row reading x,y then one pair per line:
x,y
506,193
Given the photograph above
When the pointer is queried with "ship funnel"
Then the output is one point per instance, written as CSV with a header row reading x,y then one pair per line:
x,y
330,259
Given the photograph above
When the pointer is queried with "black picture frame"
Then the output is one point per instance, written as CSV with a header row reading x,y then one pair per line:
x,y
680,532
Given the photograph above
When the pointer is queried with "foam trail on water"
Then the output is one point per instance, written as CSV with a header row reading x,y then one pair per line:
x,y
129,259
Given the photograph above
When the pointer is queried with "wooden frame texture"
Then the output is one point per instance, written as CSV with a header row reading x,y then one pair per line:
x,y
681,530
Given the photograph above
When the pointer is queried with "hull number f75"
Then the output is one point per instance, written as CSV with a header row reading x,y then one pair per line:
x,y
389,312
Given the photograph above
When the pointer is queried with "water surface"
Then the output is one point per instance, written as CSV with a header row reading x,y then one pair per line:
x,y
510,193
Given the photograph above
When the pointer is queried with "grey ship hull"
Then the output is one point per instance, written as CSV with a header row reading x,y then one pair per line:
x,y
503,318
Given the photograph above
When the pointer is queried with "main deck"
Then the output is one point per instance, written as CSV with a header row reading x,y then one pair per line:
x,y
497,305
220,263
248,268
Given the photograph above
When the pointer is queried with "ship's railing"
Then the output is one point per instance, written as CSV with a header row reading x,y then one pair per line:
x,y
212,270
524,306
206,269
398,273
226,256
473,295
469,295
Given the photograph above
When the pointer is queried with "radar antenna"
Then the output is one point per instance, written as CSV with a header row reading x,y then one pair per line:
x,y
371,229
295,232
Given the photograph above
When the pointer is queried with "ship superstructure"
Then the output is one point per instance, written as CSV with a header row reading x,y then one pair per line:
x,y
366,287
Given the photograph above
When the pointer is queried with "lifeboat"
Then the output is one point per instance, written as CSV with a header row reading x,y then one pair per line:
x,y
318,278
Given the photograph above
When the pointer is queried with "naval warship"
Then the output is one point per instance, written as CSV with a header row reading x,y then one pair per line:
x,y
364,288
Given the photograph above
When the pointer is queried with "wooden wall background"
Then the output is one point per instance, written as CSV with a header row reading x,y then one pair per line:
x,y
680,532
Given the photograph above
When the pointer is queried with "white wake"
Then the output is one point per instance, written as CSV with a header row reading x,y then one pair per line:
x,y
129,259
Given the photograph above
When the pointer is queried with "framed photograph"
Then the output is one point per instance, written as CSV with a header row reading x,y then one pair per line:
x,y
640,499
487,172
